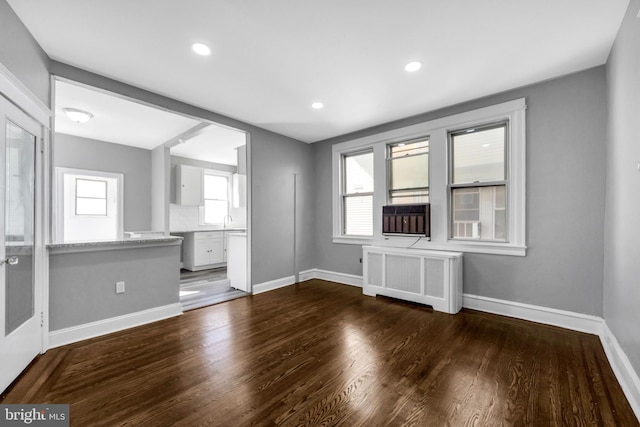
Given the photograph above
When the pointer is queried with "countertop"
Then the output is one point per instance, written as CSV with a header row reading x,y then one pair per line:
x,y
206,230
113,244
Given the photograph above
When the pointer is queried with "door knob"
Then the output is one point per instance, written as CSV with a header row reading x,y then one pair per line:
x,y
12,260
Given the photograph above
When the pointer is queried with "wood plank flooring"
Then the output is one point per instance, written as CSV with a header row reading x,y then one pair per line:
x,y
322,354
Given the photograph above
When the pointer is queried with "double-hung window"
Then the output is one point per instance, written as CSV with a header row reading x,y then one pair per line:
x,y
470,167
216,198
408,172
357,194
478,182
91,197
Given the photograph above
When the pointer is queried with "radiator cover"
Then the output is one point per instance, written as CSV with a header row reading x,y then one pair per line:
x,y
424,276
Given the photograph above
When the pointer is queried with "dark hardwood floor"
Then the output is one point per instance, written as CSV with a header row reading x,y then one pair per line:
x,y
320,353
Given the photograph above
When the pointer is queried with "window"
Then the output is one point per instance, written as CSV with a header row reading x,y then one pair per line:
x,y
216,198
408,172
470,167
478,183
357,194
91,197
89,205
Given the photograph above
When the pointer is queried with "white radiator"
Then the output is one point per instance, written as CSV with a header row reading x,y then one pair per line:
x,y
424,276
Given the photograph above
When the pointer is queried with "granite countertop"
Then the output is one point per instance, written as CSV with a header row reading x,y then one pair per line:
x,y
115,243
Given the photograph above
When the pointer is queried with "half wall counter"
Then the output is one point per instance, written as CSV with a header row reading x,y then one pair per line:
x,y
101,287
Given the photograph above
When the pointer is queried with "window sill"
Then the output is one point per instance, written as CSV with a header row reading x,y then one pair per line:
x,y
451,245
353,240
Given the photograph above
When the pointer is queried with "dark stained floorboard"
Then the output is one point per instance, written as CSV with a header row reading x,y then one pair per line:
x,y
319,353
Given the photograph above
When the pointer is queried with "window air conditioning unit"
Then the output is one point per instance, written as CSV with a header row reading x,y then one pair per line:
x,y
409,220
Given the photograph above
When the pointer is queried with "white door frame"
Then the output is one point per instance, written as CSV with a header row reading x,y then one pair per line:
x,y
14,91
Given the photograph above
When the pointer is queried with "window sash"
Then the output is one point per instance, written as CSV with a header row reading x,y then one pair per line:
x,y
474,131
216,201
91,197
357,222
408,156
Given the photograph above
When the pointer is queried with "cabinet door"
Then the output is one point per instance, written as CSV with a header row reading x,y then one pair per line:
x,y
189,181
201,254
216,246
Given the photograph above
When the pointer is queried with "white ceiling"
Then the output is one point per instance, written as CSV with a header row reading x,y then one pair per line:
x,y
271,59
122,121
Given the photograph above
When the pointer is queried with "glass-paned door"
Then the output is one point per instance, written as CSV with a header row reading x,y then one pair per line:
x,y
20,326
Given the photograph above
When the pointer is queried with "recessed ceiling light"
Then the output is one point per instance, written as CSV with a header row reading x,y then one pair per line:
x,y
317,105
413,66
486,145
76,115
201,49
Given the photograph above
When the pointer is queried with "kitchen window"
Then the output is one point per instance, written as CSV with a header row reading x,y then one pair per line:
x,y
91,197
89,205
216,188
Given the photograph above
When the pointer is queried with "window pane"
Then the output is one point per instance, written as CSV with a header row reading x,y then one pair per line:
x,y
479,156
215,211
410,148
215,187
358,173
91,206
410,172
358,215
408,197
91,188
477,213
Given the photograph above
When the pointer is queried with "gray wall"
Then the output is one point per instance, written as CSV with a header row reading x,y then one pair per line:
x,y
82,284
22,55
622,234
563,269
273,161
134,163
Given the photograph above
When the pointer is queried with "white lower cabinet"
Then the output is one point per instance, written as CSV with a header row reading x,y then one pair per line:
x,y
202,250
424,276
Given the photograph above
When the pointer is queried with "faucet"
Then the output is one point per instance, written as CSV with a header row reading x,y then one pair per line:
x,y
224,221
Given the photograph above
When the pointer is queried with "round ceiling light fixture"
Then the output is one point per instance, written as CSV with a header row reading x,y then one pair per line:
x,y
201,49
78,116
317,105
412,66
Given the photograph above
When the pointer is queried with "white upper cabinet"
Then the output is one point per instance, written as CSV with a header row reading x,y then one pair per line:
x,y
189,180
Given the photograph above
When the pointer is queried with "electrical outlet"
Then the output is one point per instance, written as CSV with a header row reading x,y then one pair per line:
x,y
119,287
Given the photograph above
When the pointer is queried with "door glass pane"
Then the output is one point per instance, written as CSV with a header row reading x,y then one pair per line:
x,y
19,225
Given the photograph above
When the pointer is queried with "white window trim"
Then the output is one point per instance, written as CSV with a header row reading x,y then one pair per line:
x,y
439,192
229,176
58,202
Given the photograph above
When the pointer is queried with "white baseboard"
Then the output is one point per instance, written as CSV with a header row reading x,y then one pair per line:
x,y
622,368
534,313
273,284
345,279
114,324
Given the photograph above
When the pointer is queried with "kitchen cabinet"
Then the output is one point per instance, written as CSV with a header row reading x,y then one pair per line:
x,y
189,185
202,250
237,266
